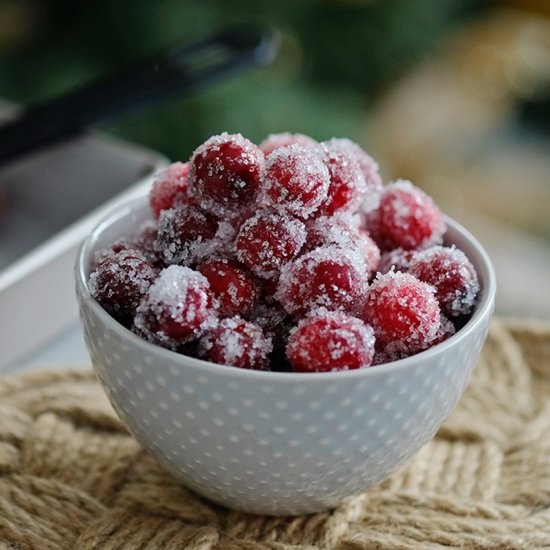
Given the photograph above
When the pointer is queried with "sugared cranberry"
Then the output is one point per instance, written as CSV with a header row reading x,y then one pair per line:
x,y
120,280
231,285
330,341
237,343
347,183
344,231
453,276
178,308
295,180
397,258
268,240
169,188
224,175
275,141
406,218
404,313
186,235
325,277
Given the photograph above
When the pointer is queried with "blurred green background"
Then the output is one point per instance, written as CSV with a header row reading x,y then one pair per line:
x,y
335,58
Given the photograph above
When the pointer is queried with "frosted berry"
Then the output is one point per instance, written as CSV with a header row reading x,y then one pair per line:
x,y
178,308
325,277
453,276
397,258
225,173
330,341
237,343
231,285
406,218
347,183
169,188
295,180
344,231
268,240
404,313
186,235
369,168
120,280
275,141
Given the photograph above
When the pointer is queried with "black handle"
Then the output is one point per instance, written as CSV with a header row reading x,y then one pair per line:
x,y
177,72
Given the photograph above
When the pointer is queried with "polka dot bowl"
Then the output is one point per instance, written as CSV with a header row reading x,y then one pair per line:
x,y
276,443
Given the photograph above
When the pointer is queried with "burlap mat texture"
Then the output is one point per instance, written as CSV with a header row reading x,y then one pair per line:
x,y
71,477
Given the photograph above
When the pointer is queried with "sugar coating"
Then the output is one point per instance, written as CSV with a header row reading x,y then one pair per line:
x,y
186,235
404,313
452,274
347,182
178,308
325,277
224,174
169,188
233,287
344,231
275,141
406,218
330,341
268,240
236,343
398,259
295,180
120,280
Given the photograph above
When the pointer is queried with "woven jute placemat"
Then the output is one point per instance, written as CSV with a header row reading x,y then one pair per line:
x,y
71,477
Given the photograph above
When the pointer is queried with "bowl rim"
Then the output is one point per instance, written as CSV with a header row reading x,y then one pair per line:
x,y
485,309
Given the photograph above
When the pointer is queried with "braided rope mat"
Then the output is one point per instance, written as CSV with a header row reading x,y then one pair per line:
x,y
71,477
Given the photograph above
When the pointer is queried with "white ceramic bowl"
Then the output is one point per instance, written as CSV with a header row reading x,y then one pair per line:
x,y
277,443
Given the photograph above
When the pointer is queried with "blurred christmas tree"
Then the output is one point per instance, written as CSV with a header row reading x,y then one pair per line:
x,y
335,57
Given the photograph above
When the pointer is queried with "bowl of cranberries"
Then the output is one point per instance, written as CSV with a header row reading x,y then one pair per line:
x,y
279,327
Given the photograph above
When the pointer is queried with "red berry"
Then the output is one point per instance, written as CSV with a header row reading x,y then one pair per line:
x,y
275,141
406,218
267,241
187,235
404,313
344,231
453,276
178,308
330,341
325,277
295,180
397,258
231,285
224,175
347,183
169,188
237,343
369,168
120,281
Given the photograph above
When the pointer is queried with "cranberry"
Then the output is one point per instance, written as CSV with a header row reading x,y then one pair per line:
x,y
237,343
224,175
406,218
178,308
453,276
169,188
325,277
275,141
120,281
398,259
187,235
404,313
330,341
347,183
295,180
268,240
232,286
